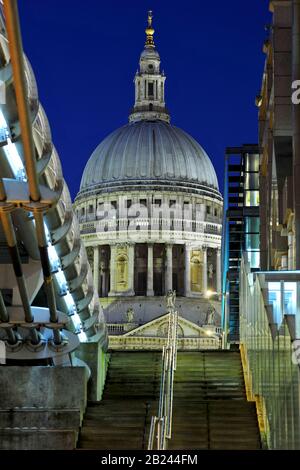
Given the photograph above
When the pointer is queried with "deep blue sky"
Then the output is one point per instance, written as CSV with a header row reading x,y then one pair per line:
x,y
85,54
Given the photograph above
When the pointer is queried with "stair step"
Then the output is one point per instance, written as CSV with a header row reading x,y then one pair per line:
x,y
210,410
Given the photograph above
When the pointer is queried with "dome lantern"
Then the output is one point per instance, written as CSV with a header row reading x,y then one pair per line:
x,y
149,83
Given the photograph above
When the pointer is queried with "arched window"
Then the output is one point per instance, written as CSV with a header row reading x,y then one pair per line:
x,y
122,271
150,90
196,272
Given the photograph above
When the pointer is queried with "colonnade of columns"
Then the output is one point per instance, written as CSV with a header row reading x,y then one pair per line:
x,y
129,263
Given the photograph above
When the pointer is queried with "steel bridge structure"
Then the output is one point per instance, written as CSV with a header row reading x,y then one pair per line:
x,y
52,329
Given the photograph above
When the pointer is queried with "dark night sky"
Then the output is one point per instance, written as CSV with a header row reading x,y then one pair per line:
x,y
85,54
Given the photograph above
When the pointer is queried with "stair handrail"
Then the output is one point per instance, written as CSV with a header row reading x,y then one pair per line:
x,y
161,425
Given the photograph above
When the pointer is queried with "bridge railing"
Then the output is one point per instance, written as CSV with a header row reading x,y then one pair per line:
x,y
161,425
270,343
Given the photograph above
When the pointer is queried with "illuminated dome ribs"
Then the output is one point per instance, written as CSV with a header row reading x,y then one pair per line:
x,y
48,233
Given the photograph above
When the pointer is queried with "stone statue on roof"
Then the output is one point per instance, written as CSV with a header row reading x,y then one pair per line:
x,y
210,315
129,315
170,299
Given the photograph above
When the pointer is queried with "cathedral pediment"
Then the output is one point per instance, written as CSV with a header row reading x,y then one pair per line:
x,y
158,327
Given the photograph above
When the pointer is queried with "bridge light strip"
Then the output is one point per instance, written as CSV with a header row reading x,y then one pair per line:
x,y
11,151
63,284
15,161
19,172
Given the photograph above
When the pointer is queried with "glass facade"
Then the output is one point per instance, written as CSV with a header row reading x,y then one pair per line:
x,y
251,180
241,228
268,313
251,229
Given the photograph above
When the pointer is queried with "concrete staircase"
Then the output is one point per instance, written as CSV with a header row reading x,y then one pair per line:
x,y
210,406
120,420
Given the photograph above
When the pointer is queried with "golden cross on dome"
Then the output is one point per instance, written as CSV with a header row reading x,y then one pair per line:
x,y
149,31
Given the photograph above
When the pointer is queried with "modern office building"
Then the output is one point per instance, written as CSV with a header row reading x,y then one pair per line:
x,y
240,229
279,124
266,319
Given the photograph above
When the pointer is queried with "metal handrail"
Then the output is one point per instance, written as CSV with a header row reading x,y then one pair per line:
x,y
161,425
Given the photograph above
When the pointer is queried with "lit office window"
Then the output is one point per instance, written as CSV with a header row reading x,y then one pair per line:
x,y
252,224
289,298
253,259
251,198
274,289
251,181
252,162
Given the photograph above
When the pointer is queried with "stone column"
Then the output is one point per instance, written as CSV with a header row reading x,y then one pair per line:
x,y
150,291
187,270
131,269
105,278
112,270
218,268
96,268
102,272
204,272
169,268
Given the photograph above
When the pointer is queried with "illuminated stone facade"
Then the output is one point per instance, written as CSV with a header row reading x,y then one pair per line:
x,y
149,206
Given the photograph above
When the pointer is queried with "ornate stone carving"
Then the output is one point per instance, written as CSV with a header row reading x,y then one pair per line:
x,y
170,299
210,271
122,271
162,330
129,315
103,266
90,255
123,246
196,271
210,316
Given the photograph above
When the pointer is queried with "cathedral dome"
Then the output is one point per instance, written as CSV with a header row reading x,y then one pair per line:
x,y
149,207
151,152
